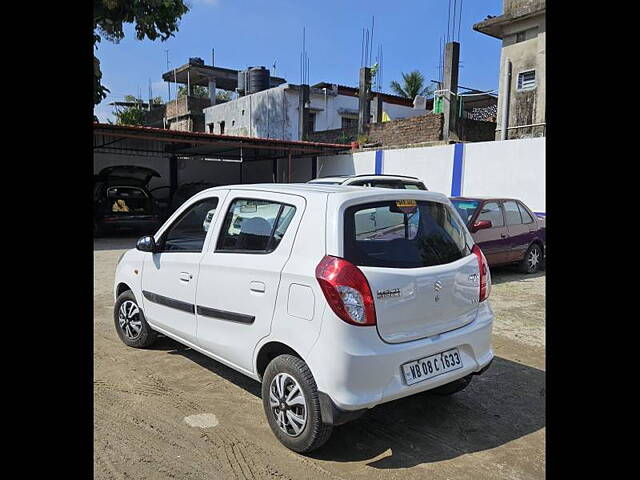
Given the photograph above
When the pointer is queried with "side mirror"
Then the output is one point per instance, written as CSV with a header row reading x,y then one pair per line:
x,y
146,244
481,225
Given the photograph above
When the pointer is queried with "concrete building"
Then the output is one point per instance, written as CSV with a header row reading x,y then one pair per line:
x,y
275,112
521,98
185,113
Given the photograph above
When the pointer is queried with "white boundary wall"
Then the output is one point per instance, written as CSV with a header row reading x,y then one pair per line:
x,y
509,168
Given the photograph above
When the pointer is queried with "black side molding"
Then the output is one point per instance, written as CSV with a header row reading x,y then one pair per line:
x,y
225,315
169,302
332,415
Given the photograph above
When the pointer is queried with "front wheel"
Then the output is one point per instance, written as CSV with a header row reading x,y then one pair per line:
x,y
532,259
131,325
292,405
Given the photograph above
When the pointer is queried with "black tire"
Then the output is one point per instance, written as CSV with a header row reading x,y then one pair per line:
x,y
532,259
314,433
453,387
146,335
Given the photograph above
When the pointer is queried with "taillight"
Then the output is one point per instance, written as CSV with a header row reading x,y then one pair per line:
x,y
346,290
485,285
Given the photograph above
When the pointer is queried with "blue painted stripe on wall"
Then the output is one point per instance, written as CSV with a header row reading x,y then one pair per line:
x,y
456,180
379,162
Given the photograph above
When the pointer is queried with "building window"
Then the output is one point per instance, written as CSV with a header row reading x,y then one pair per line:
x,y
520,37
210,128
527,80
349,123
222,127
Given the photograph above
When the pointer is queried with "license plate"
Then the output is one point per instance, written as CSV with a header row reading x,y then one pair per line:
x,y
432,366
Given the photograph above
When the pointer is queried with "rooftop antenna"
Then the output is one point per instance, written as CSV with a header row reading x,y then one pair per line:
x,y
460,19
150,95
373,22
168,83
213,56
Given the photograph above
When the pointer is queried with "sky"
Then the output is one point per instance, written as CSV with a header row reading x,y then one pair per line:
x,y
259,32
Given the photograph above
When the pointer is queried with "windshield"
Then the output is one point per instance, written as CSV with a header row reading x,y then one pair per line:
x,y
466,208
403,234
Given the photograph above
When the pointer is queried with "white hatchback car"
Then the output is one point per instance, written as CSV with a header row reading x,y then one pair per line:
x,y
336,298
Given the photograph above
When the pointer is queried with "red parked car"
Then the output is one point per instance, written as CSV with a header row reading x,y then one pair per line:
x,y
505,229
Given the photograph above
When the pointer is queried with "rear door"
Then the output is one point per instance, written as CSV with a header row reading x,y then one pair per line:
x,y
494,241
418,262
519,235
240,273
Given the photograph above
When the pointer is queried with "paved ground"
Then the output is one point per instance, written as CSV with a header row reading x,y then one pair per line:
x,y
493,429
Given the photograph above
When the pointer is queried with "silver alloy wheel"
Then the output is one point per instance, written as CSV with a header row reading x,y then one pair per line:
x,y
288,404
129,319
534,258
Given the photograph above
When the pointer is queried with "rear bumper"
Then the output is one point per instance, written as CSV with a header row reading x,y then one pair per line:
x,y
357,370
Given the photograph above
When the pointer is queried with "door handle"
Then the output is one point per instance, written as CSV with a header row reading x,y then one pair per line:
x,y
257,287
185,276
503,235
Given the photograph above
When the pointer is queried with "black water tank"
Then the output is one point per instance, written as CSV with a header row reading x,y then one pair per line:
x,y
196,61
258,79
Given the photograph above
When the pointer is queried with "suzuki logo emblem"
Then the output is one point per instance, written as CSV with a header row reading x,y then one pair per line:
x,y
437,286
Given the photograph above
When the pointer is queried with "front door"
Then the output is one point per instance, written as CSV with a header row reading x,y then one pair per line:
x,y
169,276
240,272
494,241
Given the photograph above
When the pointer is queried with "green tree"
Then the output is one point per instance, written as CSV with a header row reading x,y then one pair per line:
x,y
412,85
203,92
134,114
152,18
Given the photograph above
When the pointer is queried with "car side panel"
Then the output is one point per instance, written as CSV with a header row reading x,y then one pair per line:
x,y
300,307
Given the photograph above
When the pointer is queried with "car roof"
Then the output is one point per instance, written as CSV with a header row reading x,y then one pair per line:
x,y
483,198
343,178
346,191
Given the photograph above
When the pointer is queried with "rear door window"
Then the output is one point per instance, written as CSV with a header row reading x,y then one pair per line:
x,y
403,234
512,213
254,226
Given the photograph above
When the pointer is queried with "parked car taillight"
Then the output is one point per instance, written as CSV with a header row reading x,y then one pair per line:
x,y
485,284
346,290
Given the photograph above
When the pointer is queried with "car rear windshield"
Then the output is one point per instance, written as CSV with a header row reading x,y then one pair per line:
x,y
466,208
403,234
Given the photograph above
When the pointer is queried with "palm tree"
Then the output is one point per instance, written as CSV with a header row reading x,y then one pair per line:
x,y
413,84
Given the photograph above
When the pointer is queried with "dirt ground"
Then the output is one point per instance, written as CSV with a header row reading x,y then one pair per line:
x,y
493,429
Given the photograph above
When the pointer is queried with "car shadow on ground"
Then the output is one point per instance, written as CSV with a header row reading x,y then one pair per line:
x,y
507,402
175,348
510,273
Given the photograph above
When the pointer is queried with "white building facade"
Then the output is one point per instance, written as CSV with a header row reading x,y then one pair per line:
x,y
275,112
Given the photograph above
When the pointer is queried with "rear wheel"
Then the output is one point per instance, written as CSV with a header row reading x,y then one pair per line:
x,y
292,405
131,325
532,259
453,387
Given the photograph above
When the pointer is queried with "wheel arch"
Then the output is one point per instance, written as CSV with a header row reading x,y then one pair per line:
x,y
268,352
121,288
